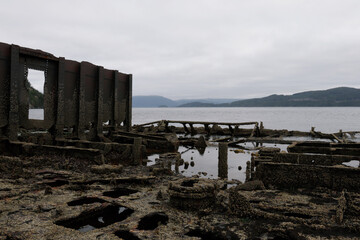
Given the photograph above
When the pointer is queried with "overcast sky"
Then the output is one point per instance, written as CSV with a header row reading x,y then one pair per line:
x,y
198,49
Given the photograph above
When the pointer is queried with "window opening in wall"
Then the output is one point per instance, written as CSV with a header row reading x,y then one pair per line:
x,y
35,84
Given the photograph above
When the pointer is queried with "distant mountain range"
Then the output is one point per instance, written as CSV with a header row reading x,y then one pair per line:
x,y
159,101
335,97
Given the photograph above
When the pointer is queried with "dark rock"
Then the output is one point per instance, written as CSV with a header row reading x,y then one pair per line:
x,y
268,151
201,143
238,204
152,221
251,186
106,169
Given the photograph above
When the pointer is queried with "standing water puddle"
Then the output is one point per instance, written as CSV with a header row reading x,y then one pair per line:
x,y
88,221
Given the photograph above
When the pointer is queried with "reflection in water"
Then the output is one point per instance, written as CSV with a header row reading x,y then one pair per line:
x,y
204,162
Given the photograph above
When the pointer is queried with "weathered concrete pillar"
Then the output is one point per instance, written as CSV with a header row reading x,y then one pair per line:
x,y
201,142
341,134
248,171
167,129
207,129
252,167
169,165
177,163
223,160
192,129
185,128
137,151
231,130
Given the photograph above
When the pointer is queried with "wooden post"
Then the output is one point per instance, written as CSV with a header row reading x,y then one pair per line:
x,y
185,128
192,129
207,129
177,163
223,161
137,151
254,130
231,130
248,171
252,167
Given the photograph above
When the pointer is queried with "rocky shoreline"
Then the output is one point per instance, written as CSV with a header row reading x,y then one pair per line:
x,y
54,196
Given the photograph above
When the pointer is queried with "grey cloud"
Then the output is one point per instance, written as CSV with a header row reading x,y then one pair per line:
x,y
205,48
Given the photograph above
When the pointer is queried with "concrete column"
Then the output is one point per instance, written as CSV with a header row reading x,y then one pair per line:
x,y
128,119
14,93
192,129
100,103
252,165
137,151
185,128
223,160
81,107
60,115
248,171
231,130
207,129
177,163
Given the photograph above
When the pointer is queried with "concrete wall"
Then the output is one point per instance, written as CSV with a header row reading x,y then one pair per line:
x,y
312,159
291,176
77,95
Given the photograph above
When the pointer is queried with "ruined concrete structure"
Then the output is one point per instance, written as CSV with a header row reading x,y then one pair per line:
x,y
71,176
77,95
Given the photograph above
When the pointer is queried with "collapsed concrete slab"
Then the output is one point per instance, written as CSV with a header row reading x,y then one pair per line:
x,y
292,176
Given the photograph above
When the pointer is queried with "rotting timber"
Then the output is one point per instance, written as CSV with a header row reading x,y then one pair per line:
x,y
81,172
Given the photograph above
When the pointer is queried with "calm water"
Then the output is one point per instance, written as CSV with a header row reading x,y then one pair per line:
x,y
207,162
329,119
323,119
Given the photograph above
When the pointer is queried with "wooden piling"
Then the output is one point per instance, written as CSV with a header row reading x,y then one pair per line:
x,y
137,158
223,161
252,166
248,171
